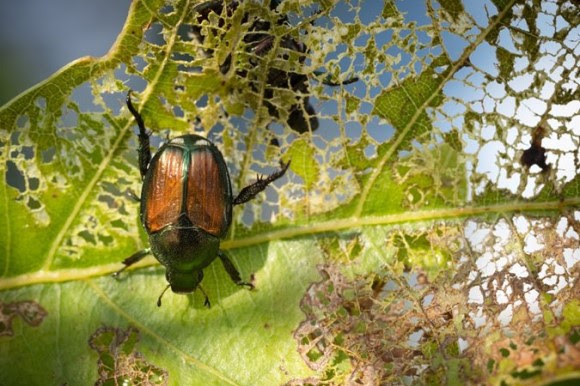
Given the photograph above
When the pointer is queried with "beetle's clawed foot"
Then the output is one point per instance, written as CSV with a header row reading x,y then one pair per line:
x,y
117,275
129,102
250,286
275,175
132,195
132,260
206,301
285,166
262,182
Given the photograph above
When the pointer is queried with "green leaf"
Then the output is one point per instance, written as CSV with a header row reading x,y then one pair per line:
x,y
408,242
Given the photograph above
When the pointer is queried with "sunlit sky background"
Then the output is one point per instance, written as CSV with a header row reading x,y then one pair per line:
x,y
37,37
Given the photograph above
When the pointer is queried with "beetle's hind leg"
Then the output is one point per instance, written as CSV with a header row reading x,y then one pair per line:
x,y
144,150
232,271
251,191
137,256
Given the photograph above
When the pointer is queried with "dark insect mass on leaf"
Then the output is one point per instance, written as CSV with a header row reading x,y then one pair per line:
x,y
536,154
259,42
186,207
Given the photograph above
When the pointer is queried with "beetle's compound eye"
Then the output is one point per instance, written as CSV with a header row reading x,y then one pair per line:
x,y
184,282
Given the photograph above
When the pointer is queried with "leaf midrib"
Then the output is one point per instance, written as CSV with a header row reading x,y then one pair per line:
x,y
62,275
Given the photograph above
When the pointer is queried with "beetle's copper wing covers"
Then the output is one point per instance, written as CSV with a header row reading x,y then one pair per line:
x,y
187,178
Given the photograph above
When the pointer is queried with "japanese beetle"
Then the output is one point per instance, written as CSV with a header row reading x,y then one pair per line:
x,y
186,207
259,40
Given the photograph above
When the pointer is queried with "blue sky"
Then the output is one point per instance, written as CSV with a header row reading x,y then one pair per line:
x,y
37,37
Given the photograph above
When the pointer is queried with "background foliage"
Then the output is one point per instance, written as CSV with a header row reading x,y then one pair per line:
x,y
413,241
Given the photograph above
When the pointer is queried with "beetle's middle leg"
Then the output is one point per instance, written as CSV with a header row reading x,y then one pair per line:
x,y
251,191
144,150
232,271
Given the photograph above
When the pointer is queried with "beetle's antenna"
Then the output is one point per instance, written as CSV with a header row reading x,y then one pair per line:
x,y
206,302
160,296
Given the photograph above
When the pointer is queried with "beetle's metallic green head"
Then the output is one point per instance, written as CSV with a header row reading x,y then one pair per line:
x,y
184,282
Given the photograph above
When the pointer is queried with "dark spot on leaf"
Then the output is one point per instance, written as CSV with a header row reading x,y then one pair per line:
x,y
490,365
575,336
29,311
538,362
377,286
119,363
525,374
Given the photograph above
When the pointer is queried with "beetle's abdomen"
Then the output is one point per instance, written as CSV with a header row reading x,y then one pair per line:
x,y
187,179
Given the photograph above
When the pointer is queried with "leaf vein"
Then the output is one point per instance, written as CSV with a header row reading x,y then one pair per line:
x,y
458,64
202,366
107,160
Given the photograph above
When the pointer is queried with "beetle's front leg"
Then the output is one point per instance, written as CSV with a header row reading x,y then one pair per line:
x,y
137,256
144,150
251,191
232,271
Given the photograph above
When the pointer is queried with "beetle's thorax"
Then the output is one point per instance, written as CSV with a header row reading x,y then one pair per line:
x,y
184,247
